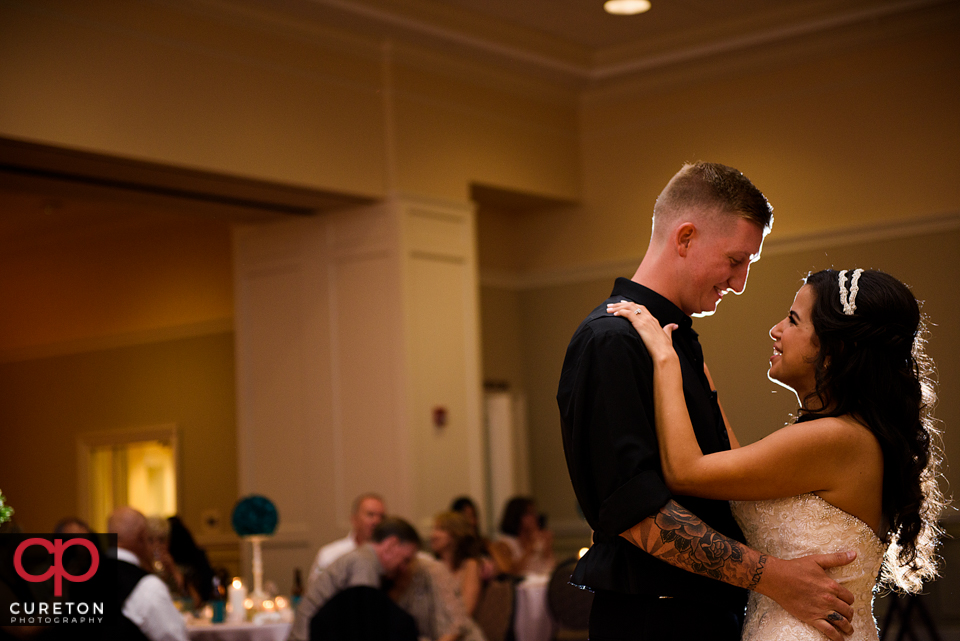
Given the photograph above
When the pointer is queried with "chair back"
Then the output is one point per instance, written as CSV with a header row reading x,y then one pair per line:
x,y
494,611
569,605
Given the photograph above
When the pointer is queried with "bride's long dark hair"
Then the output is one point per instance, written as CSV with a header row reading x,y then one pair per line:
x,y
872,365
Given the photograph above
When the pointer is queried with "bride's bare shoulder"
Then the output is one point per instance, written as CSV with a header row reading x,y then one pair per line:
x,y
845,430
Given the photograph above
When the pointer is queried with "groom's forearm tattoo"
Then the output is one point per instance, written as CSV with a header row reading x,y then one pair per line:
x,y
758,572
680,538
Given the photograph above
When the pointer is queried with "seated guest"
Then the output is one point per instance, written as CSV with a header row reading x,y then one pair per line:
x,y
367,513
454,543
72,525
427,590
393,545
161,563
468,508
147,611
465,506
191,562
524,546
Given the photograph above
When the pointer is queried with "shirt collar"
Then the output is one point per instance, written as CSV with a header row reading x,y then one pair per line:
x,y
128,556
662,309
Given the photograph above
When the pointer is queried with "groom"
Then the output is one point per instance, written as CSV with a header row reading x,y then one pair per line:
x,y
664,566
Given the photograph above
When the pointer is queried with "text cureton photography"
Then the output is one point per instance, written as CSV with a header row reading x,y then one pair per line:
x,y
60,580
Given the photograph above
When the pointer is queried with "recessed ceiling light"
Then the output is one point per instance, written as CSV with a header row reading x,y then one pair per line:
x,y
626,7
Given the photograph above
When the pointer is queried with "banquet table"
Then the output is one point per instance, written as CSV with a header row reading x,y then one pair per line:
x,y
532,620
239,632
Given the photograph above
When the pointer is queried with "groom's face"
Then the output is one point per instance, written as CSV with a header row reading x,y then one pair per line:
x,y
718,261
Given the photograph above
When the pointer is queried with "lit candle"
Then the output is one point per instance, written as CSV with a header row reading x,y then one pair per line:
x,y
236,595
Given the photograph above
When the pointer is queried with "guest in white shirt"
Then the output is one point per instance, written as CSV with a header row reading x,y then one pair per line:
x,y
367,514
148,610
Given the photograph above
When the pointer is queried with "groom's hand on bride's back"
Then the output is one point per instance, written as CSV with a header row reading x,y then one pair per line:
x,y
803,588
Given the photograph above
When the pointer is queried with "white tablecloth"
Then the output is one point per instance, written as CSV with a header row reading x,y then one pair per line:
x,y
239,632
531,620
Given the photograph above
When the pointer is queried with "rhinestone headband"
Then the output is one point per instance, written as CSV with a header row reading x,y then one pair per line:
x,y
849,303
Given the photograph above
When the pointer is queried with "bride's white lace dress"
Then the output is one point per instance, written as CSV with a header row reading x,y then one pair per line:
x,y
798,526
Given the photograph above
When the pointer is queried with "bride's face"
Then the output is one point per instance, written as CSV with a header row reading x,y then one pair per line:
x,y
795,346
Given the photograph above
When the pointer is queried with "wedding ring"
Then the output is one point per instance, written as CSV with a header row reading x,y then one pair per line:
x,y
637,311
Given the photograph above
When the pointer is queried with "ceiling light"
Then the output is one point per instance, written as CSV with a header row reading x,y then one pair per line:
x,y
626,7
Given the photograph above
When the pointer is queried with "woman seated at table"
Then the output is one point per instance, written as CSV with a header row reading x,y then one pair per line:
x,y
524,546
454,543
466,507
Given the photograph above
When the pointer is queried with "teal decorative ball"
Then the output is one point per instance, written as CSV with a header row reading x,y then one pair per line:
x,y
254,515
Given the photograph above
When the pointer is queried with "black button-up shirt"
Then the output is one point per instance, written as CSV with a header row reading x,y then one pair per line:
x,y
610,442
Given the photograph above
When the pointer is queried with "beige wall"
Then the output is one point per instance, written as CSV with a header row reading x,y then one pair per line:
x,y
186,87
458,124
857,137
252,95
116,316
45,404
94,274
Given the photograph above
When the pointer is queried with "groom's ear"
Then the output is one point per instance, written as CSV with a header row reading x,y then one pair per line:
x,y
684,235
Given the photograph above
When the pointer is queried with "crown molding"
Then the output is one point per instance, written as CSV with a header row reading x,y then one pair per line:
x,y
447,34
641,62
554,57
494,44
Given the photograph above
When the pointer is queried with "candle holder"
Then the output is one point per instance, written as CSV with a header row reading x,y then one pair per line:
x,y
255,519
258,595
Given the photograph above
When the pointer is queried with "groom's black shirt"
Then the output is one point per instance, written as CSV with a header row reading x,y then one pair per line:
x,y
610,441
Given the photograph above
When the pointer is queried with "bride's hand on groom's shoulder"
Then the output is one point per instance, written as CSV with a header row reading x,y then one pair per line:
x,y
657,339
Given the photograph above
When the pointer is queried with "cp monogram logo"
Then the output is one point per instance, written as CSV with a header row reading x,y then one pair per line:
x,y
56,571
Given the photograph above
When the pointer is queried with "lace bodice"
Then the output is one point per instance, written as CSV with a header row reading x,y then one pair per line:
x,y
801,525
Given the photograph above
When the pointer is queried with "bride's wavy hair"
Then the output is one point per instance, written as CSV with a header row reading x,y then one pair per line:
x,y
872,365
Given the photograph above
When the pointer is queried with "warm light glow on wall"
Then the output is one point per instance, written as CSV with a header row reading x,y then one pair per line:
x,y
141,475
626,7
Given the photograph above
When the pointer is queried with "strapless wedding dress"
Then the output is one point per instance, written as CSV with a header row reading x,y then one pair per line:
x,y
801,525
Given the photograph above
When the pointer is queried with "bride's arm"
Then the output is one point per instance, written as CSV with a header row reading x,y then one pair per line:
x,y
793,460
679,449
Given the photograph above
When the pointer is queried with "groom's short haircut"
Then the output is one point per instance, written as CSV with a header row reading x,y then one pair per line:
x,y
705,189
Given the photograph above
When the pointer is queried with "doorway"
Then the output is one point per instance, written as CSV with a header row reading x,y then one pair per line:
x,y
136,467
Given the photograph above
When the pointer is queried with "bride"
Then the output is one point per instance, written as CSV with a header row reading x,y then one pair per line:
x,y
857,470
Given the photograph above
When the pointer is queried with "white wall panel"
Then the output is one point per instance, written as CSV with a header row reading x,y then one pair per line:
x,y
351,329
368,417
